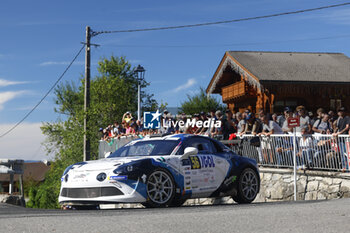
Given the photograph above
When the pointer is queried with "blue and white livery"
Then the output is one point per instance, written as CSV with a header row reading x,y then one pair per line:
x,y
162,171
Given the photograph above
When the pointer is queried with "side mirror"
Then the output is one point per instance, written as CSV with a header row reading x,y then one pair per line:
x,y
189,151
108,154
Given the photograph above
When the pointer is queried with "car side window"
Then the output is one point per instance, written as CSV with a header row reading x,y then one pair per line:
x,y
204,146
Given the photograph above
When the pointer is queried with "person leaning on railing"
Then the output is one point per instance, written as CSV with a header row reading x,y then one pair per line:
x,y
322,125
252,125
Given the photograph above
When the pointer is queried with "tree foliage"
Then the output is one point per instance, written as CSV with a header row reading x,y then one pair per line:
x,y
113,92
200,103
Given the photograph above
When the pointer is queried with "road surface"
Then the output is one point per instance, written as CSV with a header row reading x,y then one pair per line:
x,y
306,216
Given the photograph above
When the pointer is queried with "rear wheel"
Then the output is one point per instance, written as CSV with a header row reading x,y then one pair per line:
x,y
160,189
248,186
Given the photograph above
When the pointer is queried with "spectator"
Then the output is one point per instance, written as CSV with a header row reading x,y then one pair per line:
x,y
304,156
304,119
241,122
274,118
342,128
270,127
128,129
252,125
322,125
287,114
139,126
127,117
229,125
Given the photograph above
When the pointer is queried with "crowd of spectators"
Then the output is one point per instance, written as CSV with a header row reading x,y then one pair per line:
x,y
236,123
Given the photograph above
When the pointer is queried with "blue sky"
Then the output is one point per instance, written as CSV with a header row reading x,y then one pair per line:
x,y
39,38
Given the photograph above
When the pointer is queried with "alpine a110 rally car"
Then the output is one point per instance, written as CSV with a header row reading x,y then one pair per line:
x,y
162,171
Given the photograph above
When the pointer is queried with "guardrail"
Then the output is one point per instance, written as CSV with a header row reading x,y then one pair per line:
x,y
322,152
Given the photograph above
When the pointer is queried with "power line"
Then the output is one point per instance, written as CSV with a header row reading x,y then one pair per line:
x,y
221,22
47,93
230,44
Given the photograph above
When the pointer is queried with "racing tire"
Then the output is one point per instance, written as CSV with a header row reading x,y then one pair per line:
x,y
248,186
160,188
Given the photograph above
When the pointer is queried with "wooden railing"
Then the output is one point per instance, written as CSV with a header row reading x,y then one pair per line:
x,y
234,90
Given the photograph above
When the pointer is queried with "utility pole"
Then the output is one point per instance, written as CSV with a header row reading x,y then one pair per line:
x,y
87,95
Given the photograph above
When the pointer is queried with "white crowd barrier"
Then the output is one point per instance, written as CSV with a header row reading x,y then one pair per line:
x,y
321,152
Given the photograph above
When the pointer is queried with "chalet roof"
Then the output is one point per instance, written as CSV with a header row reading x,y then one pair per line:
x,y
295,66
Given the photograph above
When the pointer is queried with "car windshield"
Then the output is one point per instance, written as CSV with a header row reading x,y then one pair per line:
x,y
146,148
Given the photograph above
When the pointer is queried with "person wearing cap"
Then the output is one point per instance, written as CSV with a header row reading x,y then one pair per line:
x,y
304,120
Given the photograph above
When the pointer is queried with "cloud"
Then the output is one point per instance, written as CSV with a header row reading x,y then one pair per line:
x,y
23,143
9,95
51,63
5,83
185,86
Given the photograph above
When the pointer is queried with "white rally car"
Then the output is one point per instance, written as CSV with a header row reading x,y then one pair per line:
x,y
162,171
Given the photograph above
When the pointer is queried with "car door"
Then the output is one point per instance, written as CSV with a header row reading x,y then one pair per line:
x,y
204,172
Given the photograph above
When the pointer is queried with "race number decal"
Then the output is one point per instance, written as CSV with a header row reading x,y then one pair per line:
x,y
195,162
203,161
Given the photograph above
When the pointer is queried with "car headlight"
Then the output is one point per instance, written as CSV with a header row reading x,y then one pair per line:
x,y
125,168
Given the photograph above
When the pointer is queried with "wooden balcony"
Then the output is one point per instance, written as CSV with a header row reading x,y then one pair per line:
x,y
233,91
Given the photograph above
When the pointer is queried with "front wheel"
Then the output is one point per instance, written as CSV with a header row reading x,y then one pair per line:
x,y
160,189
248,186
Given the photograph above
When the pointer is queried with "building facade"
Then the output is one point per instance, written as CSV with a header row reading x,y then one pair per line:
x,y
274,80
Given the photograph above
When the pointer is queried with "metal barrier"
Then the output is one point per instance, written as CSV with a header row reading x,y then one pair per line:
x,y
323,152
111,146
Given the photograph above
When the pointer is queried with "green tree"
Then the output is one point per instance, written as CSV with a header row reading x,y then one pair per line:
x,y
200,103
113,92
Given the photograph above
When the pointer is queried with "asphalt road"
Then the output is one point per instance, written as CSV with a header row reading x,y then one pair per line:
x,y
307,216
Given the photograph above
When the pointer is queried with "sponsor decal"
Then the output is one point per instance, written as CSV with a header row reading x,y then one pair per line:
x,y
187,177
230,180
188,188
187,168
118,178
188,183
144,177
187,173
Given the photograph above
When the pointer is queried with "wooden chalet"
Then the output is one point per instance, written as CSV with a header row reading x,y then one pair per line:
x,y
274,80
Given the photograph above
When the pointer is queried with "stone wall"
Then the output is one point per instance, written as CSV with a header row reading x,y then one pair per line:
x,y
278,185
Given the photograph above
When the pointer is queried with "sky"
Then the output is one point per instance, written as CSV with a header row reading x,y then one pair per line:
x,y
40,38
